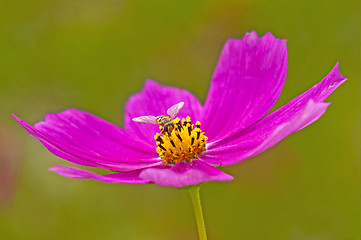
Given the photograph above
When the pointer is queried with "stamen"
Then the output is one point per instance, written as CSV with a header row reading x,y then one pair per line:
x,y
189,128
179,125
184,143
160,145
172,142
158,138
179,137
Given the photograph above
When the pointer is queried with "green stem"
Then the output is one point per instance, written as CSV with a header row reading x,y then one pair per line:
x,y
194,192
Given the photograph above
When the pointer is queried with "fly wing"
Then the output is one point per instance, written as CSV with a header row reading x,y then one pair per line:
x,y
174,110
146,119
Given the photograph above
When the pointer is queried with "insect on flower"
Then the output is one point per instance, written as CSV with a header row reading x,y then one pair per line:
x,y
164,121
236,122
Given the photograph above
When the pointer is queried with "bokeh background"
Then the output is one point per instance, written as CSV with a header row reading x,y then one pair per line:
x,y
94,54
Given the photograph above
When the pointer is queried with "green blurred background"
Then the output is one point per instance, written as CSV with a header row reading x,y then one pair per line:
x,y
94,54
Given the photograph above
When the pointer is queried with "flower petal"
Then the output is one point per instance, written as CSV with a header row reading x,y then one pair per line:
x,y
183,174
155,99
246,83
248,145
295,115
85,139
131,177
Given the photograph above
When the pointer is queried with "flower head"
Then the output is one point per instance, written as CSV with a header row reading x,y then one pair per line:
x,y
180,151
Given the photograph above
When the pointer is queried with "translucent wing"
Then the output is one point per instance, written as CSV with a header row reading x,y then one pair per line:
x,y
174,110
146,119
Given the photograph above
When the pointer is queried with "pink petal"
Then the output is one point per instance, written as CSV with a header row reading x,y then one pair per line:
x,y
183,174
131,177
155,99
85,139
298,113
236,151
246,83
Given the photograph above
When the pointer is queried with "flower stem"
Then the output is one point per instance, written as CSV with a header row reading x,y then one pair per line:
x,y
194,192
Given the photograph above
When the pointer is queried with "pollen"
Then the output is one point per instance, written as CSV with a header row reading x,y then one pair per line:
x,y
184,143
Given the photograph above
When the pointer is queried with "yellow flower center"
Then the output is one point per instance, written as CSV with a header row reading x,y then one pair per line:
x,y
185,142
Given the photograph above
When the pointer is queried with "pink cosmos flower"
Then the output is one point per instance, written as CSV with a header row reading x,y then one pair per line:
x,y
247,82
